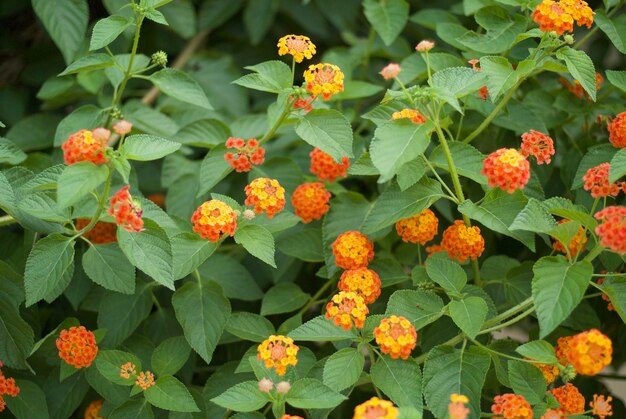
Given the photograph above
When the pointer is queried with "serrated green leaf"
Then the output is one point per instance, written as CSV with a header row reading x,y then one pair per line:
x,y
308,393
419,307
121,314
538,350
213,169
65,21
534,217
188,252
268,76
460,81
617,79
107,30
258,241
581,68
302,243
320,329
614,28
135,409
10,153
328,130
243,397
16,335
527,380
89,62
250,326
107,266
401,380
500,75
502,31
283,298
343,368
170,356
447,273
78,180
170,394
615,288
469,314
234,278
202,311
558,287
181,86
387,17
147,147
203,133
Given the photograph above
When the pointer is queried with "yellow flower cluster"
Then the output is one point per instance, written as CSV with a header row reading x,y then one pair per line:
x,y
324,79
278,352
376,408
353,250
396,336
420,228
299,46
347,309
265,195
361,281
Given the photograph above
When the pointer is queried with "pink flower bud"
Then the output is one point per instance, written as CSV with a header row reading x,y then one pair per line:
x,y
101,134
248,214
390,71
425,46
265,385
283,387
122,127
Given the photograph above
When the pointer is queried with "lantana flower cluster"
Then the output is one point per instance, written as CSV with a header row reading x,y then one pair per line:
x,y
265,195
246,154
560,15
126,210
101,233
396,337
143,380
278,352
8,387
411,114
376,408
326,168
420,228
511,406
77,346
85,145
612,228
213,219
310,201
588,352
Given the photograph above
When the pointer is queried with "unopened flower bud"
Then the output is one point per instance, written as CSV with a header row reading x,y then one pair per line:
x,y
122,127
568,373
159,58
265,385
248,214
569,39
116,113
101,134
283,387
425,46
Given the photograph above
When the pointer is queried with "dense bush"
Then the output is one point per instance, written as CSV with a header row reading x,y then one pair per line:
x,y
342,228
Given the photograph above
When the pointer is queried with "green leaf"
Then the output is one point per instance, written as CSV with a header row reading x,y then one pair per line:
x,y
387,17
268,76
64,397
534,217
107,30
615,288
30,402
258,241
107,266
78,180
170,356
500,75
232,276
538,350
580,67
617,79
202,311
419,307
135,409
400,380
396,143
250,326
203,133
447,371
181,86
147,147
214,168
170,394
258,17
16,335
447,273
469,314
109,363
343,368
89,62
243,397
66,23
394,205
618,166
527,380
502,30
189,251
460,81
49,268
283,298
328,130
10,153
308,393
121,314
303,243
558,287
467,159
320,329
614,28
149,250
497,212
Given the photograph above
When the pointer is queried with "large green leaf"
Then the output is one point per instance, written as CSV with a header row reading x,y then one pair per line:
x,y
202,311
147,147
89,62
460,81
16,335
387,17
617,79
419,307
49,268
149,250
120,315
308,393
283,298
343,368
170,394
447,371
500,75
107,30
258,241
30,403
538,350
401,380
328,130
135,409
527,380
447,273
234,278
78,180
558,287
614,28
243,397
581,68
320,329
107,266
66,23
213,169
502,30
469,314
269,76
250,326
615,288
10,153
181,86
534,217
170,356
189,251
396,143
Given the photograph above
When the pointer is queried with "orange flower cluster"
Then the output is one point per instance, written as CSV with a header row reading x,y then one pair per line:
x,y
325,79
511,406
326,168
538,145
145,380
84,146
101,233
93,410
420,228
265,195
597,181
361,281
570,399
247,154
390,71
298,46
77,346
310,201
347,309
610,306
414,115
214,218
7,388
126,211
550,372
575,246
278,352
376,408
353,250
128,370
457,408
507,169
462,242
396,336
601,406
577,89
590,352
562,349
560,15
612,229
617,130
303,103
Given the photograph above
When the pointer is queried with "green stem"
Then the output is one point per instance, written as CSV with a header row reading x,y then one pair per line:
x,y
428,71
432,169
406,93
286,111
293,70
316,296
508,322
6,220
503,355
101,204
372,356
594,253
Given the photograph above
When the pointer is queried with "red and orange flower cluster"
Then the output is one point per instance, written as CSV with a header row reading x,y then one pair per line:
x,y
246,154
462,242
77,346
126,210
85,145
101,233
93,410
7,388
412,114
326,168
570,399
376,408
597,182
310,201
213,219
511,406
265,196
588,352
420,228
617,130
560,15
278,352
612,228
577,89
396,337
324,79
